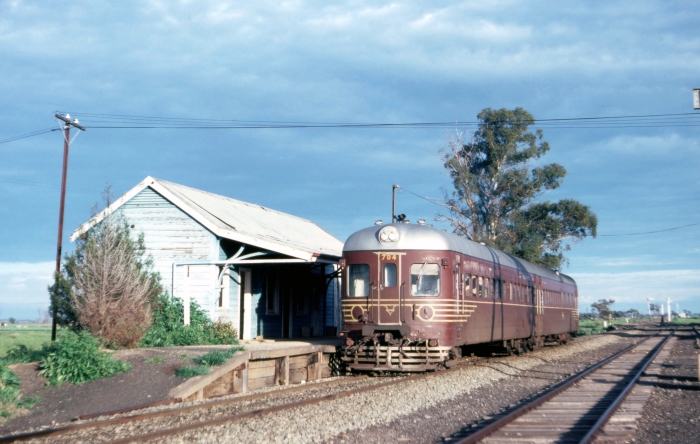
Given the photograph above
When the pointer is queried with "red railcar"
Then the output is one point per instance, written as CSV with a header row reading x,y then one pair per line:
x,y
414,295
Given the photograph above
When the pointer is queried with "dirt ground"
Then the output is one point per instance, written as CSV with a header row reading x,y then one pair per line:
x,y
144,384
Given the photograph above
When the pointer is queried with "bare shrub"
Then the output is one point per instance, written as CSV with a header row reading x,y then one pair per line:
x,y
113,288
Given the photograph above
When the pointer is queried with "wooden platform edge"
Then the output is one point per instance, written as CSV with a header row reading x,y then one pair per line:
x,y
242,359
197,383
292,351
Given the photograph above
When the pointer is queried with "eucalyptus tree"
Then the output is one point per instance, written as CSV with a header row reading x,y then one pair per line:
x,y
496,191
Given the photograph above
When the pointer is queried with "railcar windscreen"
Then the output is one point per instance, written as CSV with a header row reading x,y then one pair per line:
x,y
425,279
358,280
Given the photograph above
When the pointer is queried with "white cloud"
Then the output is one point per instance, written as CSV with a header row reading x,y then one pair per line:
x,y
633,288
23,288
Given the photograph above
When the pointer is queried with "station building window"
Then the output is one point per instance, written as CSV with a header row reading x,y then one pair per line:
x,y
358,280
425,279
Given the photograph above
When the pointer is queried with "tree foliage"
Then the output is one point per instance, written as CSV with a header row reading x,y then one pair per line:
x,y
496,187
633,313
603,307
655,308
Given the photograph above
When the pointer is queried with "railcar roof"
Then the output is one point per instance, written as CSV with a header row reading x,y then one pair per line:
x,y
425,237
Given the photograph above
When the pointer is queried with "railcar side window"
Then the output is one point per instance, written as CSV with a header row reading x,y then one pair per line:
x,y
425,279
481,287
389,275
474,286
486,287
358,281
493,288
467,285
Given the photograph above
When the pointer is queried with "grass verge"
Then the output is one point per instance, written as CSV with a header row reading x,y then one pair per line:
x,y
11,401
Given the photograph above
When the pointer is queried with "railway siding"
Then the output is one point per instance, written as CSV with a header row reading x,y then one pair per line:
x,y
574,414
624,423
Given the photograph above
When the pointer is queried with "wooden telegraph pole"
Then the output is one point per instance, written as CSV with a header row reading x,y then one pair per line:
x,y
66,145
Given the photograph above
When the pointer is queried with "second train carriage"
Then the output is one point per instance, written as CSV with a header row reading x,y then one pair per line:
x,y
413,295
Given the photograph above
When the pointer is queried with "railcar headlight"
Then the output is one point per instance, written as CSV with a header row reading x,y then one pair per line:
x,y
388,234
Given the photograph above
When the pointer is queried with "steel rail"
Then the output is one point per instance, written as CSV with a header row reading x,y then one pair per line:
x,y
275,409
598,426
52,432
268,410
550,393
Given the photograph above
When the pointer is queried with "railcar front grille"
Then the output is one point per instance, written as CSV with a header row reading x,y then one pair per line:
x,y
390,359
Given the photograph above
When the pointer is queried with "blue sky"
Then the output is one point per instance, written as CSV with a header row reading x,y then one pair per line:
x,y
352,62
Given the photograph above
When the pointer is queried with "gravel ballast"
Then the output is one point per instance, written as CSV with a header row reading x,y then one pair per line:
x,y
385,408
672,413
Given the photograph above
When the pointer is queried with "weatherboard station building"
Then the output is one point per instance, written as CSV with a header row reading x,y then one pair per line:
x,y
269,273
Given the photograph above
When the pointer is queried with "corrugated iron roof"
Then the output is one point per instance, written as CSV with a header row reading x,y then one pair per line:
x,y
258,221
239,221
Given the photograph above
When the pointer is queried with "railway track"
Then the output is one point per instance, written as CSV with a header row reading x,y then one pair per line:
x,y
576,409
106,429
171,421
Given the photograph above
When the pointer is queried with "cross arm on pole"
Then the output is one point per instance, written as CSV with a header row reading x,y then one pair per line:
x,y
74,123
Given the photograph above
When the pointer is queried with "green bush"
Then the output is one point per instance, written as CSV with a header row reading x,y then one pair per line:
x,y
168,327
77,358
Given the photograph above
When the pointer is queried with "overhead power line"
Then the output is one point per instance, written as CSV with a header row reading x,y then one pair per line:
x,y
32,134
126,122
438,202
122,121
650,232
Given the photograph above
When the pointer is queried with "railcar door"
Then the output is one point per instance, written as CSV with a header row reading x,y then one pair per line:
x,y
390,288
538,305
